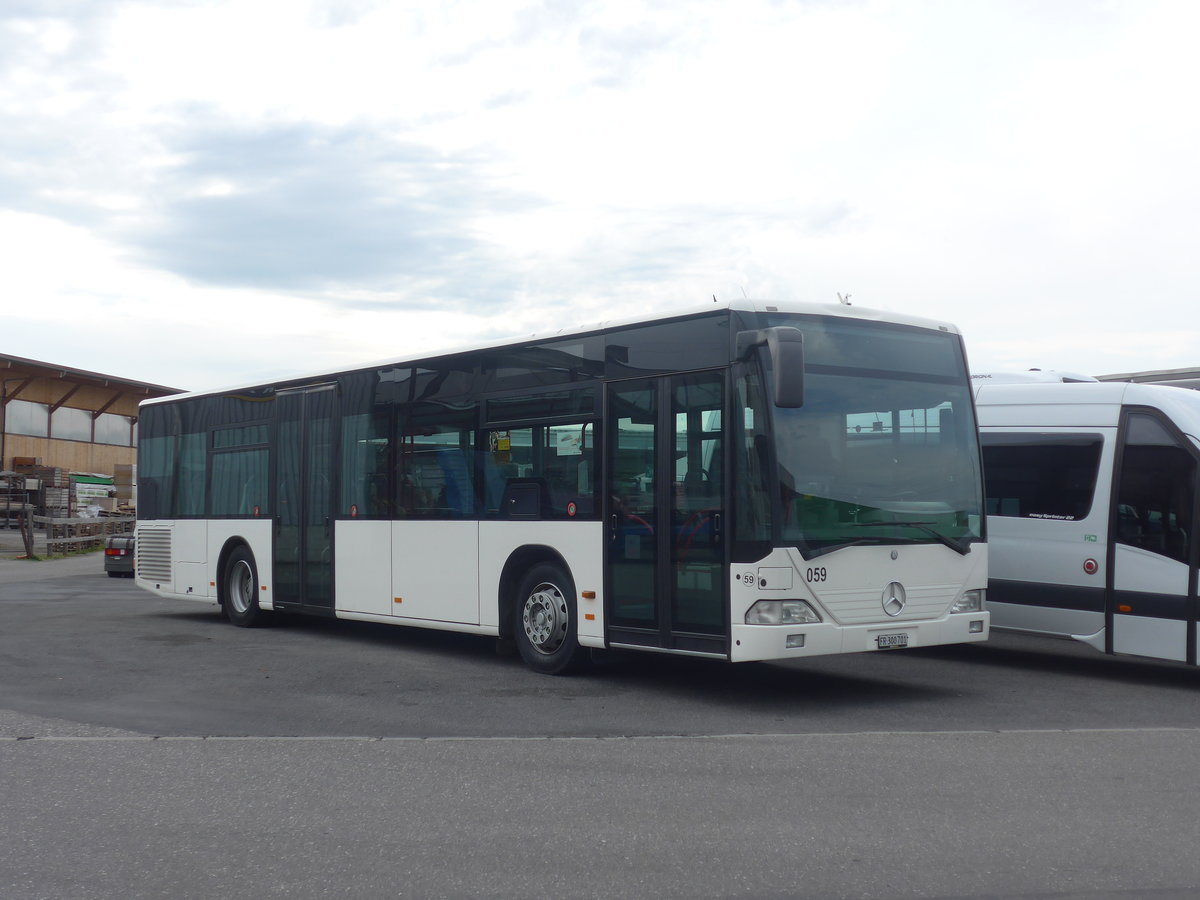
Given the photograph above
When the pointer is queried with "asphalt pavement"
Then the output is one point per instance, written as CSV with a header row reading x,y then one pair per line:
x,y
149,749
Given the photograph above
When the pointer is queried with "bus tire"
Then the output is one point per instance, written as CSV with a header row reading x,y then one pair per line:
x,y
544,624
239,590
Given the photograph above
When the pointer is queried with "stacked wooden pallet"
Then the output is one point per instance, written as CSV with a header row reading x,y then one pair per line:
x,y
68,535
55,495
50,476
14,498
125,482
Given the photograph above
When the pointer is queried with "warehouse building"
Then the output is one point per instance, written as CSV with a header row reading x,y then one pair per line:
x,y
58,420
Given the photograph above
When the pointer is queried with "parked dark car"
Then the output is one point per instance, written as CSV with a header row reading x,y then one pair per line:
x,y
118,555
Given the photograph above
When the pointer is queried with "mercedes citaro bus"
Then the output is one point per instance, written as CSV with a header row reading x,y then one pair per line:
x,y
743,482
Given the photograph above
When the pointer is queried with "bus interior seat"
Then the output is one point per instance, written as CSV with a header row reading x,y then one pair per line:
x,y
525,498
457,474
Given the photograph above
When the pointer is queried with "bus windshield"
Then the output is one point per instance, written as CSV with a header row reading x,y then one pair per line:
x,y
879,454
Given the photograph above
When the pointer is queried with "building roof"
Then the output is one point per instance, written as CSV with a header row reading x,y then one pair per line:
x,y
38,369
1188,378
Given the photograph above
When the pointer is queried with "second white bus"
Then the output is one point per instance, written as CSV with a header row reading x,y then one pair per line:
x,y
1092,508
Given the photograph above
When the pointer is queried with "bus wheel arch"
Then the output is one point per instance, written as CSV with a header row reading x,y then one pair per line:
x,y
237,585
539,610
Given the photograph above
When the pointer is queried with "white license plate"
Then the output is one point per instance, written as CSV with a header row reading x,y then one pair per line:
x,y
890,641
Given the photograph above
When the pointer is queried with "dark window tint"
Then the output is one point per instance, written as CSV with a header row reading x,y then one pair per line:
x,y
1157,490
555,362
434,464
241,436
204,413
675,346
240,483
239,471
697,502
880,347
158,420
189,498
177,440
156,470
450,380
1041,476
366,462
368,417
541,406
633,439
753,464
541,471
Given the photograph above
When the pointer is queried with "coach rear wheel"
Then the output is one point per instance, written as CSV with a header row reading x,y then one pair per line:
x,y
239,596
545,623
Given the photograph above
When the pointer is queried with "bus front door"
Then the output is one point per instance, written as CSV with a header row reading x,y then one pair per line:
x,y
666,514
304,473
1152,606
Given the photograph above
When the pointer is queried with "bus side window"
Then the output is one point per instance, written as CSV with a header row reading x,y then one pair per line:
x,y
434,473
752,460
568,469
456,481
556,457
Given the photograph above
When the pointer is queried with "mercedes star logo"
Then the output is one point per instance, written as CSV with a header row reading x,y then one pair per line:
x,y
894,599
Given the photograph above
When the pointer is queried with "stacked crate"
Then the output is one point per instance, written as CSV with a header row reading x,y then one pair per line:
x,y
55,496
14,497
125,482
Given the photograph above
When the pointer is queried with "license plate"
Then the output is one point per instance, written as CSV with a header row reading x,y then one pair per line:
x,y
890,641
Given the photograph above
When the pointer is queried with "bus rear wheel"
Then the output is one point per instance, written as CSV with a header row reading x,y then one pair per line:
x,y
239,594
544,621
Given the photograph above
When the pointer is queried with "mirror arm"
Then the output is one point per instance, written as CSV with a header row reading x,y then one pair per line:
x,y
786,348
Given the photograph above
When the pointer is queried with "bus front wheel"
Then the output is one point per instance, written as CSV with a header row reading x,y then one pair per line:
x,y
239,597
544,624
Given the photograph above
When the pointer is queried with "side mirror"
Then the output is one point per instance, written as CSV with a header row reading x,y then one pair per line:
x,y
786,348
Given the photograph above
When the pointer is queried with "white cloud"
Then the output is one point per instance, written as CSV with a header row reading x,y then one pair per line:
x,y
294,184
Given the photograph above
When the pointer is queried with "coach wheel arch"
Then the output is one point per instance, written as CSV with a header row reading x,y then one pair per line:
x,y
518,565
544,619
237,585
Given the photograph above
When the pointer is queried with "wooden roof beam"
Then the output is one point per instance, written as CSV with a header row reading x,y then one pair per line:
x,y
102,410
65,397
13,396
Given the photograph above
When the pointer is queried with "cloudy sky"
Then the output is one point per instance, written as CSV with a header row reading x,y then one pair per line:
x,y
200,192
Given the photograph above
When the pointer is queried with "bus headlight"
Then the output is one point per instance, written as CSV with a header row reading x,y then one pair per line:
x,y
970,601
781,612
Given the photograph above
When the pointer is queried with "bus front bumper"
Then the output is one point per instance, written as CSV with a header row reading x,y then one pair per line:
x,y
762,642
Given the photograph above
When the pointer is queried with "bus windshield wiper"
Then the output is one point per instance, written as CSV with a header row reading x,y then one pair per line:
x,y
927,527
813,552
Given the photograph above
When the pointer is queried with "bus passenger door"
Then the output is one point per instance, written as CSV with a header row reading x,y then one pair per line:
x,y
665,516
1152,603
304,470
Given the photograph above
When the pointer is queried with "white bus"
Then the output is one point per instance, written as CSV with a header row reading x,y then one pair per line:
x,y
1092,504
745,482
